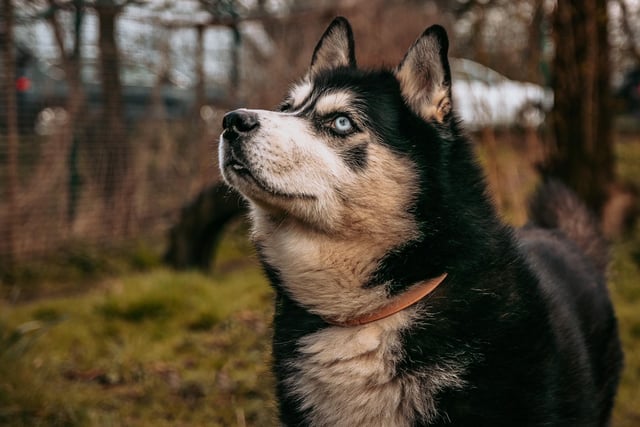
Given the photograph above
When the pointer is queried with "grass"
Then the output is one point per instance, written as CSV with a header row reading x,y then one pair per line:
x,y
150,348
625,290
135,344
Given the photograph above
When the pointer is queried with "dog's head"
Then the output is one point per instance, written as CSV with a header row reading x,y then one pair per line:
x,y
337,155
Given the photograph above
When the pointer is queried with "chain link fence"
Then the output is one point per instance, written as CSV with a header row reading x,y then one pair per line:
x,y
108,123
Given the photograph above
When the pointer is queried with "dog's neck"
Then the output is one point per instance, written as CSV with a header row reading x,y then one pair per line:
x,y
326,273
397,304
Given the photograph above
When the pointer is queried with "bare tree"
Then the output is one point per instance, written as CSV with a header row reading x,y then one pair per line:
x,y
114,161
581,119
631,46
12,184
200,86
69,58
70,61
534,52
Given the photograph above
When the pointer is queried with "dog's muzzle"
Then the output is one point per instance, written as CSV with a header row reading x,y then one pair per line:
x,y
238,123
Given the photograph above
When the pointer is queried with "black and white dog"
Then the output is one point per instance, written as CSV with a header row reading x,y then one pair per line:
x,y
401,298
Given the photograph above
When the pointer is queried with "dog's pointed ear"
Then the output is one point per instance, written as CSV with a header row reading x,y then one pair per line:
x,y
425,76
335,48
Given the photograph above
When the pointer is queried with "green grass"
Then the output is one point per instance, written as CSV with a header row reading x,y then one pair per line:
x,y
130,343
74,268
149,349
625,290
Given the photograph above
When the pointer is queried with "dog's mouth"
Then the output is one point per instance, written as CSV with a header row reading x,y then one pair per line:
x,y
243,171
238,167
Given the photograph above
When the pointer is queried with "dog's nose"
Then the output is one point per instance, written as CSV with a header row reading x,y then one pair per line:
x,y
240,121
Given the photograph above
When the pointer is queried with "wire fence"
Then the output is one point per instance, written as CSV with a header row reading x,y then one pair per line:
x,y
110,110
97,146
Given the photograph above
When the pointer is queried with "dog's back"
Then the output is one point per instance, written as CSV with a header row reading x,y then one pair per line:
x,y
565,249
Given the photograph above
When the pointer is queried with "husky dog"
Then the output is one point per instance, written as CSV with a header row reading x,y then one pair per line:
x,y
401,299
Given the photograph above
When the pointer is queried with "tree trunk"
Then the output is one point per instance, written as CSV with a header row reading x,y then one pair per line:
x,y
114,161
200,87
11,184
234,72
71,63
534,52
583,152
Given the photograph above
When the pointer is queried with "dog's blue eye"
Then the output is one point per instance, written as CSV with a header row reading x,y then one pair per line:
x,y
342,124
284,106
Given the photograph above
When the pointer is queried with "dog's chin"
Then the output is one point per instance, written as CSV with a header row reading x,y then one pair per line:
x,y
255,188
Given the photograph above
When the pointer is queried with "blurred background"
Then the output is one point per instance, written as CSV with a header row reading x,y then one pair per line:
x,y
129,294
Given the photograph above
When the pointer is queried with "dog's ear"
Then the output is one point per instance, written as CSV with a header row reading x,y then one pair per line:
x,y
335,48
425,77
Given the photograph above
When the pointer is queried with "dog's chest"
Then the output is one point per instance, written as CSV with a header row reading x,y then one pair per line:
x,y
348,377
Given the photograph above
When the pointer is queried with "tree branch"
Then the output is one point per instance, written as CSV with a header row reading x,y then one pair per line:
x,y
52,17
632,46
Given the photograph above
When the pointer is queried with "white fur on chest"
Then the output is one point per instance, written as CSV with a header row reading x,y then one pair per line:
x,y
348,377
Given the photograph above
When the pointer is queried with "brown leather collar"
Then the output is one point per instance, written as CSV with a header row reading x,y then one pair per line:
x,y
395,305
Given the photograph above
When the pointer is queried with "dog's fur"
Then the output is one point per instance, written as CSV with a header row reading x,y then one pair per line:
x,y
363,185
